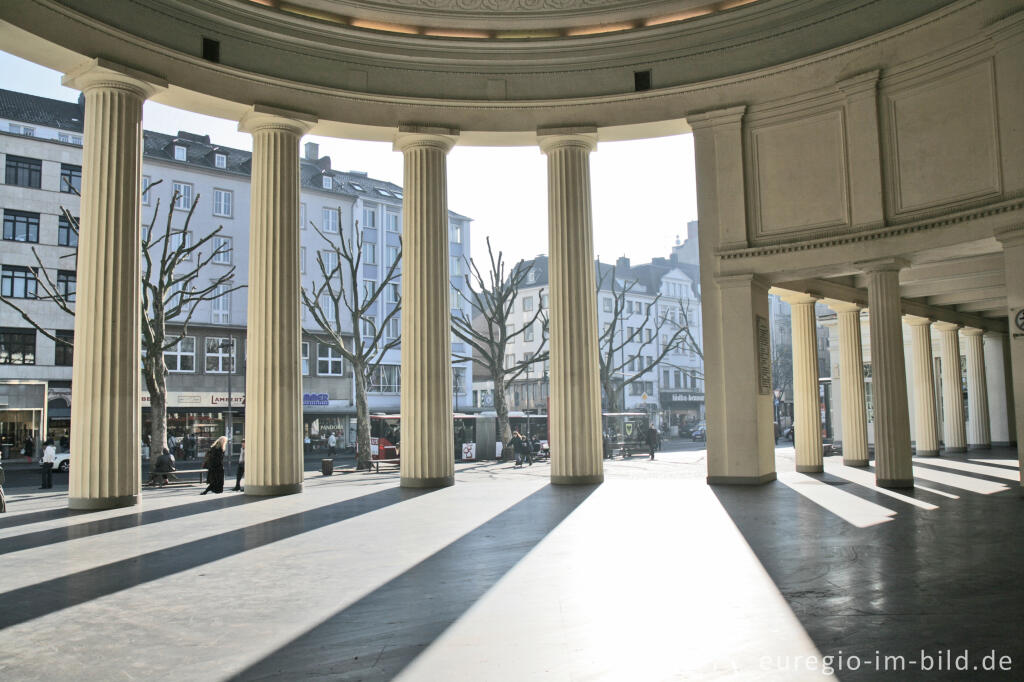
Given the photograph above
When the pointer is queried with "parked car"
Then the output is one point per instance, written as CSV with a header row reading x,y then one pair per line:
x,y
699,432
62,461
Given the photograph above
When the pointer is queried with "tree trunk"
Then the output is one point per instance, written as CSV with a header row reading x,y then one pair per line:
x,y
501,408
362,419
156,383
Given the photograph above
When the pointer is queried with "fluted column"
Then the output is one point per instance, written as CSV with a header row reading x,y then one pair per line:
x,y
428,460
979,434
925,421
953,428
851,381
273,371
106,414
575,414
1000,400
893,463
806,402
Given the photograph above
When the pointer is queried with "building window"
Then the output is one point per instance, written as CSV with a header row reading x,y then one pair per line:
x,y
220,355
369,216
369,253
222,250
394,292
181,240
63,353
24,172
528,334
66,235
386,379
17,281
455,232
220,160
302,259
223,201
70,139
222,304
329,361
180,153
305,358
302,216
510,360
394,328
331,219
543,301
391,222
146,182
184,193
455,265
327,308
17,346
66,284
181,357
369,325
70,178
527,303
27,131
327,182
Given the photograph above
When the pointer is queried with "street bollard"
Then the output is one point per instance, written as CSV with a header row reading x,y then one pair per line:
x,y
327,466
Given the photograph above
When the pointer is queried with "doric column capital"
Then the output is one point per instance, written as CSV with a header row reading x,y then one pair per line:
x,y
844,306
796,297
917,321
550,139
719,117
102,73
947,327
411,137
972,331
883,265
262,117
1002,336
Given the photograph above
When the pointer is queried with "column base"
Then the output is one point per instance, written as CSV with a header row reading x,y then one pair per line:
x,y
926,453
894,482
1004,444
953,451
271,490
980,446
97,503
438,482
856,463
810,468
577,480
742,480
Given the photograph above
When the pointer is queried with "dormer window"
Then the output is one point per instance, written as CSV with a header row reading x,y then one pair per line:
x,y
328,182
220,160
180,153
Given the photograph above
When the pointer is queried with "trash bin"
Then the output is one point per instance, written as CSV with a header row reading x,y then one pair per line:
x,y
327,466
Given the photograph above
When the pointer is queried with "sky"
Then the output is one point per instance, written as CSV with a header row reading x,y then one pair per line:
x,y
644,192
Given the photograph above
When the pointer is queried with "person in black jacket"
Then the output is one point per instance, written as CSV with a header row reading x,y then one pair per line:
x,y
214,465
652,440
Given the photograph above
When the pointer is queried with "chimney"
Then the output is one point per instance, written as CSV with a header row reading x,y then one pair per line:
x,y
622,263
312,151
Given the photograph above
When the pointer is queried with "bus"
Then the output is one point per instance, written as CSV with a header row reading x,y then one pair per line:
x,y
473,437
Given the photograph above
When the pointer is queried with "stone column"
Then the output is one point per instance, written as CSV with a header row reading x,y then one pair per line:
x,y
953,428
806,402
428,460
926,422
273,371
979,436
1000,400
106,415
851,380
1012,240
575,414
893,463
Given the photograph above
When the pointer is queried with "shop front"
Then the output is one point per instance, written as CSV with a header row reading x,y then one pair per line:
x,y
203,414
22,416
322,416
681,410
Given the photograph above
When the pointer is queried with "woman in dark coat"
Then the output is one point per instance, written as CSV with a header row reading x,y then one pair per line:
x,y
215,466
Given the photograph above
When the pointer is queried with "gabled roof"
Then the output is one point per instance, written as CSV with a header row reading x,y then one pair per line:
x,y
42,111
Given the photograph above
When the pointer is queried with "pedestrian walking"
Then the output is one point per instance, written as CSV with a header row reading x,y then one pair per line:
x,y
332,444
240,471
214,465
49,456
29,450
652,440
3,500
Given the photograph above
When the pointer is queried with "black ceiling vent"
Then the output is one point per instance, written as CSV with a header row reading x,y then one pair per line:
x,y
211,50
642,80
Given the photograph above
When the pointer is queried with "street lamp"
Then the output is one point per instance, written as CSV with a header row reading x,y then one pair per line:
x,y
229,345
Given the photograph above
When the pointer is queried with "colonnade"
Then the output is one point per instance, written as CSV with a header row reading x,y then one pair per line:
x,y
106,419
988,382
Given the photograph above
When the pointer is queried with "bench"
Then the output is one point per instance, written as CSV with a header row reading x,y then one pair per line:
x,y
387,454
173,475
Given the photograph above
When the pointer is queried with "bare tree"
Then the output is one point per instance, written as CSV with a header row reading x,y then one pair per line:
x,y
493,298
172,291
169,292
336,293
622,347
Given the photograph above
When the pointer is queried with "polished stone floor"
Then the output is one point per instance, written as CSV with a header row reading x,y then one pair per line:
x,y
651,576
